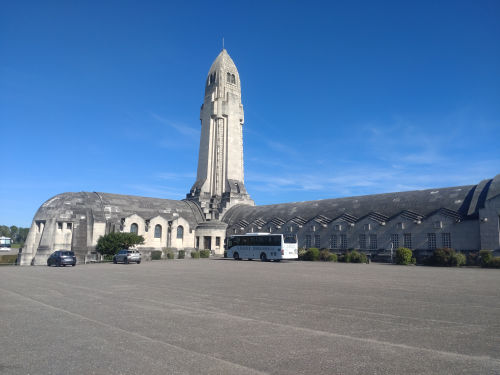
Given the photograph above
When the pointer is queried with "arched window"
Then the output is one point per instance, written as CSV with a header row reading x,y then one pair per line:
x,y
134,228
180,232
157,231
233,79
228,77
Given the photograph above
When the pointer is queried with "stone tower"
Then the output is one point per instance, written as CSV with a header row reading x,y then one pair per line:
x,y
220,183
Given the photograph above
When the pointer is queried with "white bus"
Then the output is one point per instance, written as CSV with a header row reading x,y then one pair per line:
x,y
263,246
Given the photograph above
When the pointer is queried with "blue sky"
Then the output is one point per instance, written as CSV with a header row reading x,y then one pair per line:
x,y
340,98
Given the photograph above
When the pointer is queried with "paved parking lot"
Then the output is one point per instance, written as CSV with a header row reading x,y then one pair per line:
x,y
212,316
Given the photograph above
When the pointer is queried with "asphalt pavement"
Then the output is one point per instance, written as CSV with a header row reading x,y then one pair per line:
x,y
216,316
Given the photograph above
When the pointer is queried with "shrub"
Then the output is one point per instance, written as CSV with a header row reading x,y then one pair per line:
x,y
355,257
312,254
204,253
485,257
8,259
302,253
156,255
326,256
195,254
445,258
181,254
494,263
404,256
458,260
473,259
487,260
170,255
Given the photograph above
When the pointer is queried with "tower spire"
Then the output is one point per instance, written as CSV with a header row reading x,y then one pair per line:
x,y
222,42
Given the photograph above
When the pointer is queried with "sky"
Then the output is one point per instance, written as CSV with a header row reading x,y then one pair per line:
x,y
341,98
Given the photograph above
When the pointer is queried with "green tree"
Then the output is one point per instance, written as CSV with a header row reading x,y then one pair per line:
x,y
403,256
13,232
4,231
111,243
22,234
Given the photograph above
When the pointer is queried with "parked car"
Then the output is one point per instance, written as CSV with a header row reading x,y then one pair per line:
x,y
62,258
127,256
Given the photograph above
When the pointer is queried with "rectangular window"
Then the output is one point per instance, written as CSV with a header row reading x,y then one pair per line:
x,y
401,226
338,227
197,242
308,241
373,242
438,224
395,241
343,241
333,242
431,241
446,240
59,225
217,241
69,225
407,240
367,227
362,241
317,241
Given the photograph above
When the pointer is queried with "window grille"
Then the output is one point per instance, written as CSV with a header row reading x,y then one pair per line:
x,y
407,240
446,240
431,241
362,241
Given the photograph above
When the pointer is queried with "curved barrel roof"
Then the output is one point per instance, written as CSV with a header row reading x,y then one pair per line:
x,y
113,207
463,201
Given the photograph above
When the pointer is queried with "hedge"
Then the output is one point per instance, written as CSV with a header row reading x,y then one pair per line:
x,y
204,253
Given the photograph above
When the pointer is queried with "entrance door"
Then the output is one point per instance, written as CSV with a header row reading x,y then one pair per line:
x,y
207,243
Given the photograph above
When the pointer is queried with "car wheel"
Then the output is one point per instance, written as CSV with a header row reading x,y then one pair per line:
x,y
74,264
263,257
138,262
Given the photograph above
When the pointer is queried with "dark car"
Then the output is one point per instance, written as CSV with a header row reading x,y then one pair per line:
x,y
62,258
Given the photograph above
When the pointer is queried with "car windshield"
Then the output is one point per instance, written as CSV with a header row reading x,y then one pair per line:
x,y
70,253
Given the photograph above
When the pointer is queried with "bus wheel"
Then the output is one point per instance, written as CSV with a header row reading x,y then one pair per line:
x,y
263,257
236,256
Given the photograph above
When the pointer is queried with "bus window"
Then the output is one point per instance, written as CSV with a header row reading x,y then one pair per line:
x,y
290,239
276,240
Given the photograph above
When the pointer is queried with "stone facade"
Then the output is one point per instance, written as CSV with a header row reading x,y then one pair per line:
x,y
466,218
